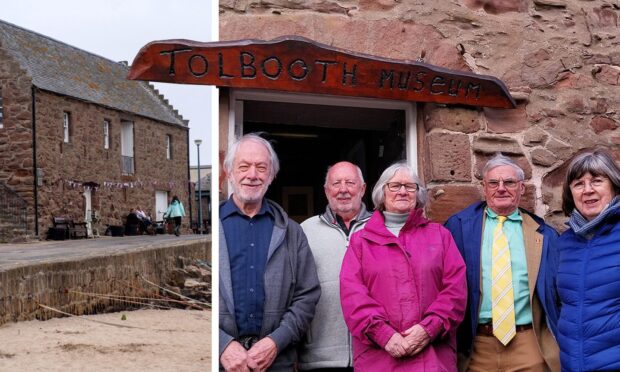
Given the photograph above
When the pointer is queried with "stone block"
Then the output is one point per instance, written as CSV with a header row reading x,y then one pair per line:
x,y
543,157
449,157
602,123
497,6
536,58
605,17
456,119
520,160
561,149
445,200
486,144
506,120
528,200
607,74
575,103
534,137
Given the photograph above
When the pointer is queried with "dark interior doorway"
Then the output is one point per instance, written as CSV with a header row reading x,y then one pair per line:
x,y
308,138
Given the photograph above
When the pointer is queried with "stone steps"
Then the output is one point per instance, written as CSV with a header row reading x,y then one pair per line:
x,y
11,233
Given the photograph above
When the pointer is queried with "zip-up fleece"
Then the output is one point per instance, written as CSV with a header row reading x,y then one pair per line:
x,y
389,284
328,341
291,290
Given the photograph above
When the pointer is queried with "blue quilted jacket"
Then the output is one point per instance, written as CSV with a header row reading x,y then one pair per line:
x,y
589,288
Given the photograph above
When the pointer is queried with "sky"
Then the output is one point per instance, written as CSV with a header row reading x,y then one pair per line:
x,y
117,29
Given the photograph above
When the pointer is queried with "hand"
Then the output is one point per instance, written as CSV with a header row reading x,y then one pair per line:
x,y
396,346
416,339
234,358
262,354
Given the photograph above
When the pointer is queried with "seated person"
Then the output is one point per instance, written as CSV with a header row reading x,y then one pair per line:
x,y
145,220
133,223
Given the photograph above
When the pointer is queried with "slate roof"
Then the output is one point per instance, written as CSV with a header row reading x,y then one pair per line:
x,y
61,68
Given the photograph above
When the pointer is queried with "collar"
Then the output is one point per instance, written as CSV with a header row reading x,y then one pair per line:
x,y
229,208
332,217
514,216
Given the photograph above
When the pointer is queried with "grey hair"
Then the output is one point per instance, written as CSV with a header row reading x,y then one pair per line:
x,y
499,160
378,192
359,172
598,163
254,137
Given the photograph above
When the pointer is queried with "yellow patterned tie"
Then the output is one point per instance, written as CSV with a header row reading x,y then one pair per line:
x,y
502,295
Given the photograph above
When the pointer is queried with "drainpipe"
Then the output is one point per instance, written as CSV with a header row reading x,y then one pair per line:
x,y
34,164
189,185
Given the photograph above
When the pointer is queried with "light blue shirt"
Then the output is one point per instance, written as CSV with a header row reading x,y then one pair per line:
x,y
514,233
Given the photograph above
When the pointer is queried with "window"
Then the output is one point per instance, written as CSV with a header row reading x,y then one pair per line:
x,y
168,146
66,122
106,134
1,113
127,160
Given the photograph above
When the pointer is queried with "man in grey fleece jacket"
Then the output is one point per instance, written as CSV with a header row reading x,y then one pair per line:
x,y
328,342
268,281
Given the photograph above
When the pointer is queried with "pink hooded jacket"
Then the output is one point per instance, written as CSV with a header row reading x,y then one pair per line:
x,y
388,284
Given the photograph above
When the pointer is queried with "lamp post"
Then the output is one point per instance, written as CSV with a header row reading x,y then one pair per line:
x,y
198,142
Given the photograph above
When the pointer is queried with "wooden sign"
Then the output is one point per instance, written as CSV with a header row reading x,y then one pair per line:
x,y
296,64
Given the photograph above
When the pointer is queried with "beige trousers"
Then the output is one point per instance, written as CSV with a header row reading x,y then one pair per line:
x,y
521,354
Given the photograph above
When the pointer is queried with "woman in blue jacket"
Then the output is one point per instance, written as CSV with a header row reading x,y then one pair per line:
x,y
588,278
176,212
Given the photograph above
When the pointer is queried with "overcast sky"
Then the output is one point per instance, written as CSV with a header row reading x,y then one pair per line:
x,y
117,29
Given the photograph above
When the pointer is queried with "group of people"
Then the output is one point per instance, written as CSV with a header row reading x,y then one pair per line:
x,y
139,220
494,289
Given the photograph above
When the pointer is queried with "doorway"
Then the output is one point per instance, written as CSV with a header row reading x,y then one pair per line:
x,y
161,203
309,133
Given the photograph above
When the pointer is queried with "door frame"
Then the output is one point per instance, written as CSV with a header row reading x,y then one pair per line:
x,y
237,96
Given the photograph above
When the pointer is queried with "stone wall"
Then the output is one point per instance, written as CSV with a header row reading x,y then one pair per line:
x,y
16,165
84,159
61,285
559,58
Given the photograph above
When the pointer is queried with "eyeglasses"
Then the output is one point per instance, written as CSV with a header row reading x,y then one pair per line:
x,y
395,186
509,184
595,183
347,183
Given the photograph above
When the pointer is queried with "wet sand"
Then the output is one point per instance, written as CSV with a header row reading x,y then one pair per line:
x,y
147,340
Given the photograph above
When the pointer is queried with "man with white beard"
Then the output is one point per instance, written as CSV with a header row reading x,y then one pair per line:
x,y
268,281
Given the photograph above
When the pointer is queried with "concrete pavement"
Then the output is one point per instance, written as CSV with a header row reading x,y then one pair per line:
x,y
14,255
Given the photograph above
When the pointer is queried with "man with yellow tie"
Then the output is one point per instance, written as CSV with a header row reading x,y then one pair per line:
x,y
511,310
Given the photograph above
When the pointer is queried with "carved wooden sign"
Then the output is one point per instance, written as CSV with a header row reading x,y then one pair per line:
x,y
296,64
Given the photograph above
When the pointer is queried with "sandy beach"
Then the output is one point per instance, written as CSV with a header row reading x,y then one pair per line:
x,y
146,340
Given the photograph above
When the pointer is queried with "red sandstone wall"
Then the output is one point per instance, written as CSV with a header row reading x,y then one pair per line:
x,y
85,160
16,165
559,59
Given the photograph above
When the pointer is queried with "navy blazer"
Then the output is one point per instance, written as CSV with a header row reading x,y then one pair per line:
x,y
466,228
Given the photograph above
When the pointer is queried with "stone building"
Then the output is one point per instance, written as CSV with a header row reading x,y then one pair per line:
x,y
78,139
560,60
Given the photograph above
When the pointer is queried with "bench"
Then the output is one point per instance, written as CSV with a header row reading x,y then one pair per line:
x,y
66,228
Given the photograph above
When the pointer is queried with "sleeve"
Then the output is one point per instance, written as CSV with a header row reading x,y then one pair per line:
x,y
552,298
225,339
455,227
365,317
448,310
306,292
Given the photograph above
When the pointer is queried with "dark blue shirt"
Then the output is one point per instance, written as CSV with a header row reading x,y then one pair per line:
x,y
248,244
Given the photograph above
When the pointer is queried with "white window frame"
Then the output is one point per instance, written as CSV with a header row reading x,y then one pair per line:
x,y
168,147
106,134
66,125
127,147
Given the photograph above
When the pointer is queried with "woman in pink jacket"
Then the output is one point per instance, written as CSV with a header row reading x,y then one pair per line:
x,y
402,283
